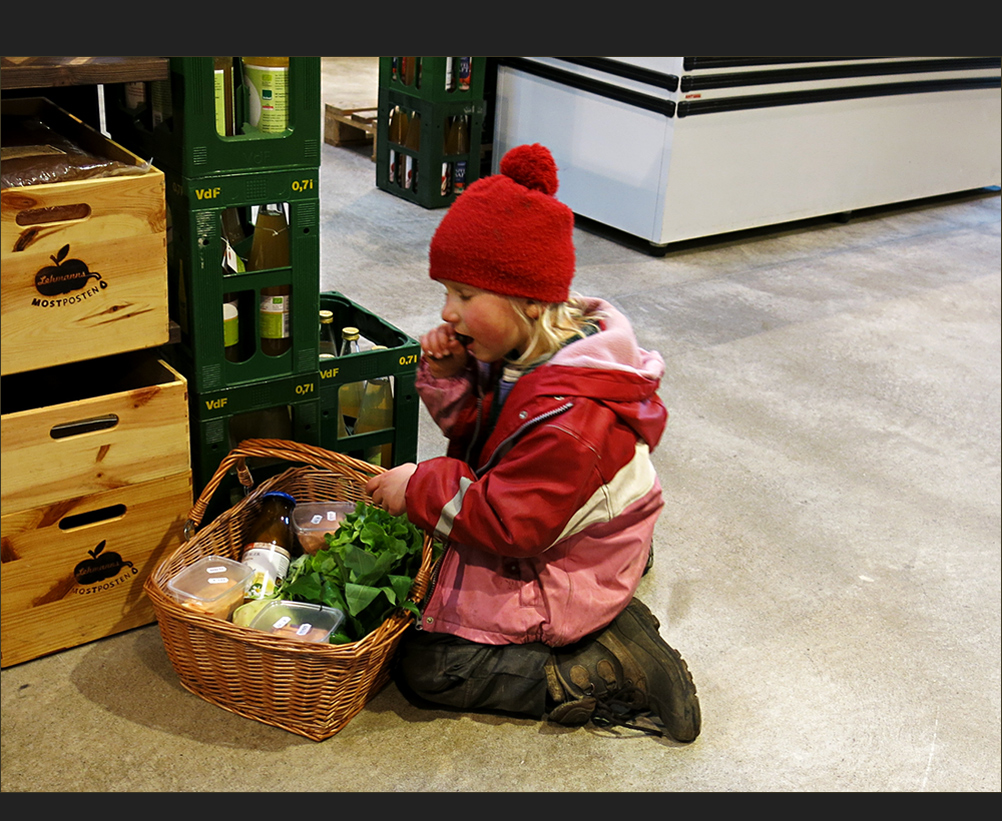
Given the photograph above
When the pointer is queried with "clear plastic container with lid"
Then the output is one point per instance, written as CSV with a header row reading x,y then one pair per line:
x,y
214,585
302,621
311,521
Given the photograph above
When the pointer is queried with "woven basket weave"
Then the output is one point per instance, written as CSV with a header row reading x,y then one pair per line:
x,y
309,689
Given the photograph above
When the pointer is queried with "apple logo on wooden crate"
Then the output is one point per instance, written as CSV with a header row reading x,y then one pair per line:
x,y
101,566
63,277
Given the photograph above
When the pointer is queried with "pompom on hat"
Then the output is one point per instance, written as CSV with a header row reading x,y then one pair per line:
x,y
507,233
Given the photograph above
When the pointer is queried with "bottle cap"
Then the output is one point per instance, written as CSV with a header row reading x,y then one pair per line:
x,y
326,316
281,495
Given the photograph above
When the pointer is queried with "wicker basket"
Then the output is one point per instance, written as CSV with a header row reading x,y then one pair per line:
x,y
313,690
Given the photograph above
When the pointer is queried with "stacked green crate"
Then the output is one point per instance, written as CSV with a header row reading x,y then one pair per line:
x,y
228,155
175,122
287,408
398,361
199,281
429,88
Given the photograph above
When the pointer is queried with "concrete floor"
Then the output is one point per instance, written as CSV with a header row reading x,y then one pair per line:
x,y
828,558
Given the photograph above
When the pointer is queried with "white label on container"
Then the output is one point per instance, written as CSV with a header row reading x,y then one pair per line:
x,y
278,625
331,515
303,629
219,580
316,519
216,568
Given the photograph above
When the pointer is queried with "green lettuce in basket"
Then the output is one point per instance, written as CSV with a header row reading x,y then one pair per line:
x,y
366,570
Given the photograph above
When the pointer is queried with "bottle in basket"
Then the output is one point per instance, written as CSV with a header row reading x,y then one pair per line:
x,y
271,544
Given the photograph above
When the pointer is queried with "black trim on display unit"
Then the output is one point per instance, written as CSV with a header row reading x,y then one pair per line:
x,y
696,63
687,108
700,82
647,76
567,78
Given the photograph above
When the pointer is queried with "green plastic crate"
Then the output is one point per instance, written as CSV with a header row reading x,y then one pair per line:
x,y
188,142
430,78
431,155
398,361
197,281
220,419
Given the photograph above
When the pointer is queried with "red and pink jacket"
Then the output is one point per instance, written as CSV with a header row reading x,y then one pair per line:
x,y
548,529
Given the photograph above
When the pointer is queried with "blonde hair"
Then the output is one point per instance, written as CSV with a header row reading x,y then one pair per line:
x,y
556,324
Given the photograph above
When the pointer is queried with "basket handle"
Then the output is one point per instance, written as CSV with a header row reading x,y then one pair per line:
x,y
285,449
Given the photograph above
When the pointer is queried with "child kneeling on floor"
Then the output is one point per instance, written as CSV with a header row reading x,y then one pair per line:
x,y
547,496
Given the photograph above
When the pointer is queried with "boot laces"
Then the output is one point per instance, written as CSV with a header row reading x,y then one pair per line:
x,y
619,708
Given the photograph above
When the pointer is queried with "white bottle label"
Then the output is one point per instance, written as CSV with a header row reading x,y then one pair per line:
x,y
269,566
269,97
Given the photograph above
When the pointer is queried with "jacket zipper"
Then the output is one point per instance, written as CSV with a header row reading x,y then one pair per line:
x,y
507,443
498,452
419,623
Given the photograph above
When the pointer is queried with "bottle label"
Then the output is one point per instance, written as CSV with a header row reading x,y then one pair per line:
x,y
465,68
270,563
269,97
274,317
459,176
231,324
446,179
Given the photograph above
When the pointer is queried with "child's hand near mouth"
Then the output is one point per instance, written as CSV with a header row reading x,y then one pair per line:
x,y
445,351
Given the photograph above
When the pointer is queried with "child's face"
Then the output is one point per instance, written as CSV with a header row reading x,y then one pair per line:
x,y
489,322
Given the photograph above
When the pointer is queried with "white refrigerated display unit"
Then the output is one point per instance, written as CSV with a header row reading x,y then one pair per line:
x,y
673,148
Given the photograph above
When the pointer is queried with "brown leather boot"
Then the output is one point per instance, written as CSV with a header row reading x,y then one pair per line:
x,y
622,671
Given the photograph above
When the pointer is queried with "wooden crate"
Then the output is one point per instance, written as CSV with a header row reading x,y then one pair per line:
x,y
346,124
73,571
86,427
84,261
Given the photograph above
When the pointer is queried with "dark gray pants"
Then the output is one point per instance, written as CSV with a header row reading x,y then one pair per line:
x,y
464,675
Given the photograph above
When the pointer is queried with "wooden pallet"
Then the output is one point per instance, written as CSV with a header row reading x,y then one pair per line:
x,y
346,124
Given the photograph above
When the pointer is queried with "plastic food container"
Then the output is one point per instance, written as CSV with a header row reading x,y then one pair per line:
x,y
298,620
214,585
311,520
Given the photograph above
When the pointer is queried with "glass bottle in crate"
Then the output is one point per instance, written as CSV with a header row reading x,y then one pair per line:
x,y
267,81
222,82
376,413
328,340
231,327
413,142
464,73
462,146
270,249
408,70
349,397
448,148
231,263
396,130
449,81
270,545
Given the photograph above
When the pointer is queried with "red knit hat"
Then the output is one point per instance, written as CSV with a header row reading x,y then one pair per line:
x,y
507,233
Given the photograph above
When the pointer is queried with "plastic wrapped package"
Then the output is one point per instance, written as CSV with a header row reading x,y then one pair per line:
x,y
34,153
